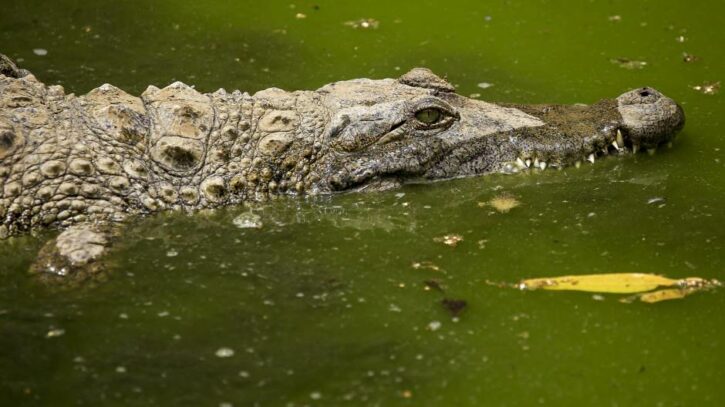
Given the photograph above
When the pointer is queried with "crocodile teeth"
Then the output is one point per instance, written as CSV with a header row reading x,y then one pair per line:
x,y
635,148
620,138
591,158
651,151
542,165
520,163
615,145
536,163
528,162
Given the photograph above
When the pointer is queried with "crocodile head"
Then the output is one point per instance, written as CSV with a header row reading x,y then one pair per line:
x,y
386,132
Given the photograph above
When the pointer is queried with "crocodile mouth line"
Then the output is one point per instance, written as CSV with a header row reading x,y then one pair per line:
x,y
619,146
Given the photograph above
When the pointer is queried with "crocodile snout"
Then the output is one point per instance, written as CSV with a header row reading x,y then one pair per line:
x,y
649,118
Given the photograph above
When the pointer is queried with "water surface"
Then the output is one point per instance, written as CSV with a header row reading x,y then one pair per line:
x,y
323,305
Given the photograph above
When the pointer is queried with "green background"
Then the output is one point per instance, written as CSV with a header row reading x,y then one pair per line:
x,y
322,306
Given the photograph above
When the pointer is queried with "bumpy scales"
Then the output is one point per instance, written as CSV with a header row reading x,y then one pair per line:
x,y
86,163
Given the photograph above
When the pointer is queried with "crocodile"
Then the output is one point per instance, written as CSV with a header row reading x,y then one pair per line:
x,y
86,164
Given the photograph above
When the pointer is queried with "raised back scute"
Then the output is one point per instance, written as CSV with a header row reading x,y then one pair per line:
x,y
181,119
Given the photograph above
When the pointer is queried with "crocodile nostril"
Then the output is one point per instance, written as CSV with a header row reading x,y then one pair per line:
x,y
644,93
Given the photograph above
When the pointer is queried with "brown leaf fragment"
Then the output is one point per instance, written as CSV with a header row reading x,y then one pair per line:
x,y
454,307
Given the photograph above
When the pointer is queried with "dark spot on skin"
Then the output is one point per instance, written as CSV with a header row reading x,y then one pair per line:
x,y
7,139
454,307
216,190
182,158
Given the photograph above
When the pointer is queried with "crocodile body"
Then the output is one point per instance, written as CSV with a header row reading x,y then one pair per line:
x,y
85,163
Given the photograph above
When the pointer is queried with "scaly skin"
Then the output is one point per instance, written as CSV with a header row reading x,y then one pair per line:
x,y
84,164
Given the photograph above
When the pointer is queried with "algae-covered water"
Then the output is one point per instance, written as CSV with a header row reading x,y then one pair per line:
x,y
338,300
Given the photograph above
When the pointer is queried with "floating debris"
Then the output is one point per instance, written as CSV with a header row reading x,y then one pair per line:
x,y
681,39
434,326
644,285
425,265
450,240
41,52
502,203
54,333
615,17
484,85
364,23
432,285
224,352
656,200
627,63
708,88
248,220
689,58
454,307
300,16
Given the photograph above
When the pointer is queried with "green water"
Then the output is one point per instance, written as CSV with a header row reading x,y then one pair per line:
x,y
322,305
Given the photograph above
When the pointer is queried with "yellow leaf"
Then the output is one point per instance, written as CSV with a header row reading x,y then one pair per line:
x,y
621,283
666,294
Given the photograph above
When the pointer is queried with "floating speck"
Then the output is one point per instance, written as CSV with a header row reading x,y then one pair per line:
x,y
123,315
226,404
394,308
450,240
54,333
425,265
689,58
681,39
484,85
120,369
224,352
627,63
315,395
364,23
655,200
172,253
41,52
406,394
163,314
244,374
434,326
615,18
598,297
300,16
708,88
248,220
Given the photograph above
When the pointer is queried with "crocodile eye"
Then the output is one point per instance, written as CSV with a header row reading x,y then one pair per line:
x,y
429,116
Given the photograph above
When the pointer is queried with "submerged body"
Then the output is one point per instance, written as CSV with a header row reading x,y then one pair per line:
x,y
85,163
